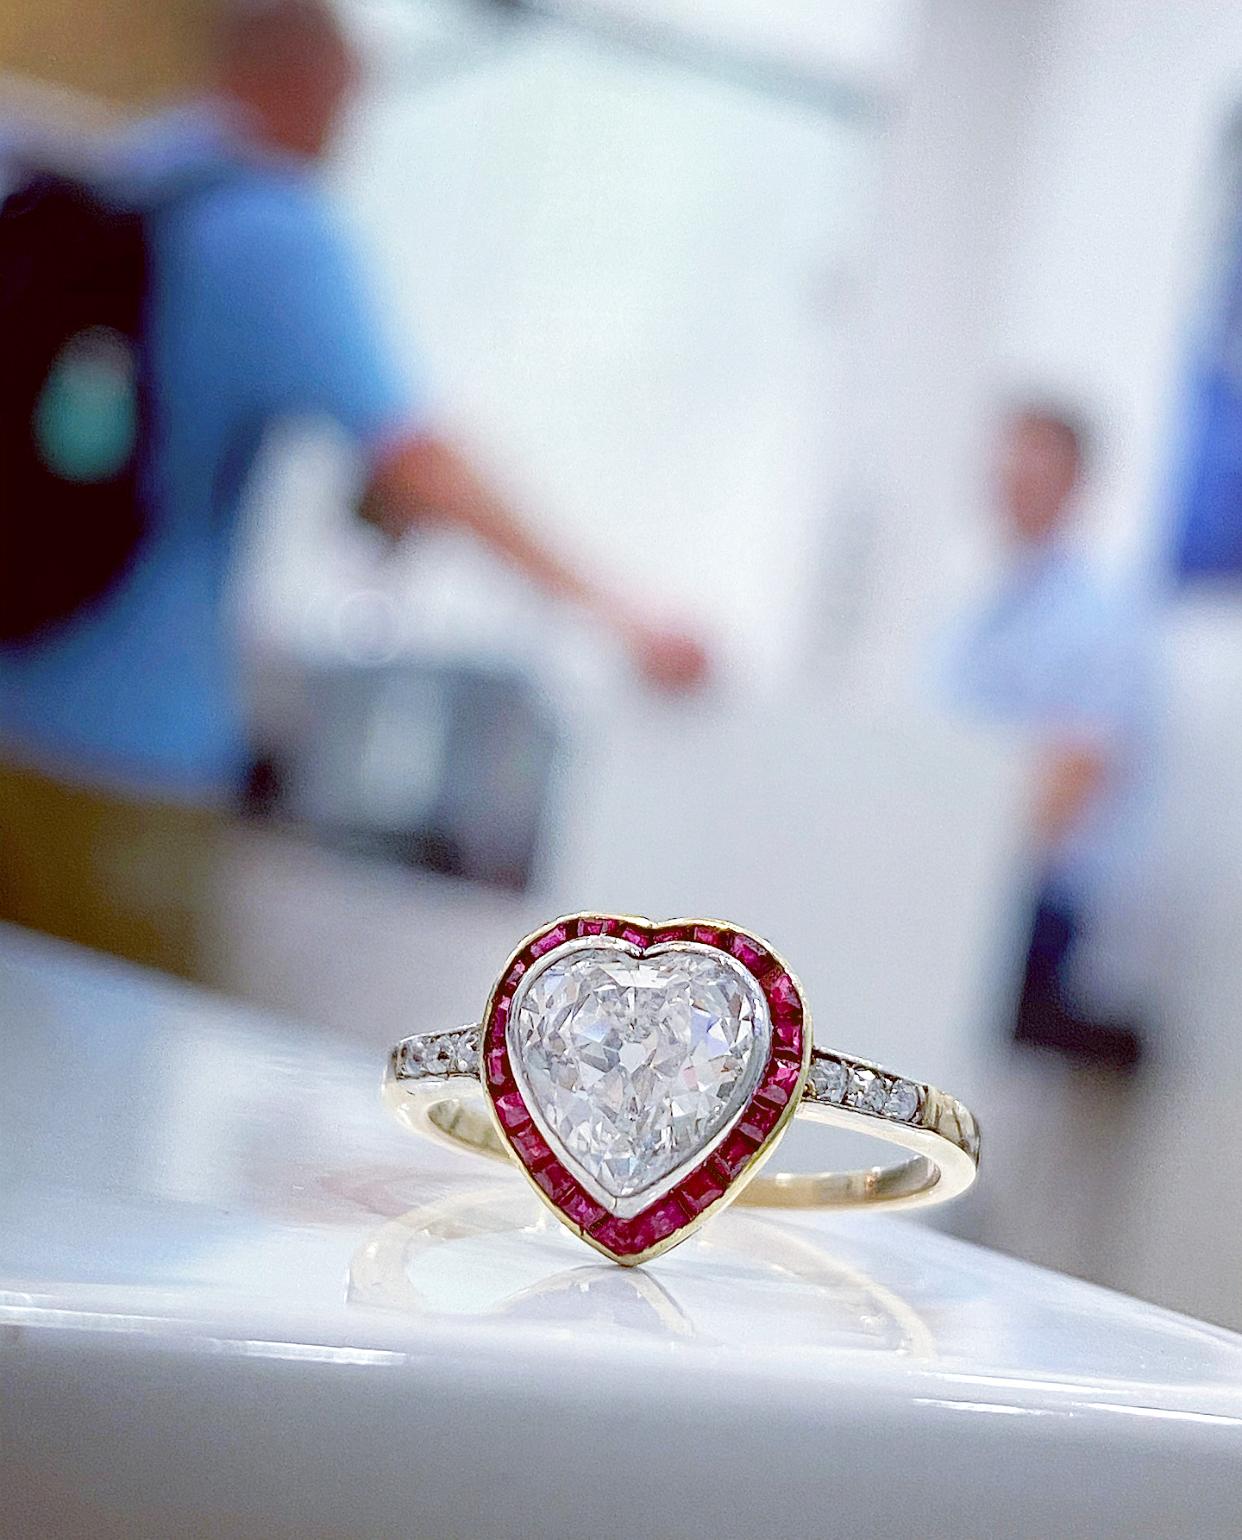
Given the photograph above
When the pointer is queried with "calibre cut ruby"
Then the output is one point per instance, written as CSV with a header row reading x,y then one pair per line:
x,y
761,1118
783,997
669,933
555,1181
514,974
780,1081
511,1110
530,1145
750,954
597,926
734,1153
656,1223
707,935
498,1067
787,1039
582,1208
702,1187
635,937
554,938
615,1234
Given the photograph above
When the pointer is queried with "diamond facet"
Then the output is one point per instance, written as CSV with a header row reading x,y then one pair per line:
x,y
867,1090
635,1066
903,1101
440,1055
828,1080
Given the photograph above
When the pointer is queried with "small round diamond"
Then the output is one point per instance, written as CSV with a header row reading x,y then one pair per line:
x,y
412,1056
867,1090
440,1055
903,1101
828,1080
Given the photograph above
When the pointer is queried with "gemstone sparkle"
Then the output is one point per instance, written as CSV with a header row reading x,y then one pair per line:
x,y
829,1078
635,1066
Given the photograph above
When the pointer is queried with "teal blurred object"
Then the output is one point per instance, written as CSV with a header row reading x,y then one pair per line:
x,y
86,421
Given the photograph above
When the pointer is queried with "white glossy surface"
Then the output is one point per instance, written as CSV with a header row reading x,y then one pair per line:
x,y
237,1302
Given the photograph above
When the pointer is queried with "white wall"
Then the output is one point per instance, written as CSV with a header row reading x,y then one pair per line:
x,y
862,38
933,309
1109,232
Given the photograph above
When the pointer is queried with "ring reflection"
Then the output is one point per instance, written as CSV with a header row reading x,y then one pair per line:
x,y
490,1250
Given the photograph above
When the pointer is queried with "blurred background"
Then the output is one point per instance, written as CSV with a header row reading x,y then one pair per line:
x,y
889,354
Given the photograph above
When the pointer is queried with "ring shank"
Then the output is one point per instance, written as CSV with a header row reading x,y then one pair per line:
x,y
943,1148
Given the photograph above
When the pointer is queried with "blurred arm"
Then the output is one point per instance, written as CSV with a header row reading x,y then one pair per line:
x,y
299,340
425,480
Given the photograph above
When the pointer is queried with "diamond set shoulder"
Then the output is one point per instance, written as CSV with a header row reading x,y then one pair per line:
x,y
437,1055
853,1083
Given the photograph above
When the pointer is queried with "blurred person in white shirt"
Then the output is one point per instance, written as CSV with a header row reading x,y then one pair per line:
x,y
1065,657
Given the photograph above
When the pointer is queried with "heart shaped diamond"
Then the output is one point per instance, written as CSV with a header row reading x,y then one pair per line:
x,y
635,1066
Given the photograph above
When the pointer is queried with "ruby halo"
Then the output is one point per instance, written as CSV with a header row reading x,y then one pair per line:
x,y
727,1162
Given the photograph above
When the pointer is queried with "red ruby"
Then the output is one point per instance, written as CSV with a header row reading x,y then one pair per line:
x,y
529,1144
761,1118
735,1152
750,954
783,997
554,938
615,1235
635,937
555,1181
703,1187
500,1011
511,1110
498,1066
582,1209
780,1081
596,927
515,973
669,933
707,935
656,1223
787,1039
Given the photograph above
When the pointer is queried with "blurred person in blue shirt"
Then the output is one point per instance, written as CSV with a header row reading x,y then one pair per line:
x,y
1064,657
122,728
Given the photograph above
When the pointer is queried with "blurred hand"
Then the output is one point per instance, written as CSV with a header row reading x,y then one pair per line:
x,y
1070,779
667,659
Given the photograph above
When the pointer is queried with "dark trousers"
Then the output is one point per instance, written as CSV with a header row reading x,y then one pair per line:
x,y
1047,1016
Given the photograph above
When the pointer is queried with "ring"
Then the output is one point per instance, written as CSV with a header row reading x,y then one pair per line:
x,y
641,1074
